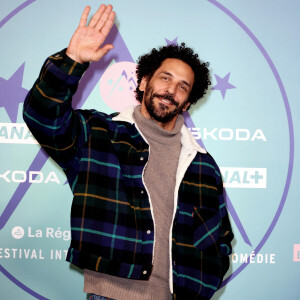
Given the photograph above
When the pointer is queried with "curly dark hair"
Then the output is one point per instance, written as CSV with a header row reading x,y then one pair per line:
x,y
147,65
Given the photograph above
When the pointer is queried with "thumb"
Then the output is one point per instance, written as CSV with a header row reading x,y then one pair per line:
x,y
103,51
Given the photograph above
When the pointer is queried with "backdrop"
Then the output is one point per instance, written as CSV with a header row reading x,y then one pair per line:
x,y
249,122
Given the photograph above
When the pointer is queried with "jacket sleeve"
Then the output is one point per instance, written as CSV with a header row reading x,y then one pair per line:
x,y
226,234
48,109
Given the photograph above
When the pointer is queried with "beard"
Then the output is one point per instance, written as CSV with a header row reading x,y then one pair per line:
x,y
161,112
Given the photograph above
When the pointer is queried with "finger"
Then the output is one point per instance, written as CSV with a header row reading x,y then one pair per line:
x,y
108,24
97,15
103,51
104,17
84,16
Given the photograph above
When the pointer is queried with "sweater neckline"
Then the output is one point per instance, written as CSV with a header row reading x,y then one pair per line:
x,y
152,131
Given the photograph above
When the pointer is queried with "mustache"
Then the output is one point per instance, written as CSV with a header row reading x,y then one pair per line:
x,y
167,97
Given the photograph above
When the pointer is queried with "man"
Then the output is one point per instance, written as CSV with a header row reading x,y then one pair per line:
x,y
148,218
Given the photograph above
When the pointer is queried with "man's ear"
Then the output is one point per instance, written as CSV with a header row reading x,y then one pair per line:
x,y
143,84
186,106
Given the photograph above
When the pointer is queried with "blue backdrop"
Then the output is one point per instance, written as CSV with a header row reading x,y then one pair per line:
x,y
249,122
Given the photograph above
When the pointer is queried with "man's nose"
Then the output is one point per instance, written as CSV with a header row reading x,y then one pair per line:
x,y
171,88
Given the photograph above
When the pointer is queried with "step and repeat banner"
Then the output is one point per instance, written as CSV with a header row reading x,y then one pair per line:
x,y
249,122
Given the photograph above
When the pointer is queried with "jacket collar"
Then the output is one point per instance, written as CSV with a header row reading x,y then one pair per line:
x,y
187,139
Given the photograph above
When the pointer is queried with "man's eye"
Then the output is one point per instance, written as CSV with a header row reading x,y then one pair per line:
x,y
183,87
165,78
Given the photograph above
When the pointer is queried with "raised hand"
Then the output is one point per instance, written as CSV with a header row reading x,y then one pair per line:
x,y
86,43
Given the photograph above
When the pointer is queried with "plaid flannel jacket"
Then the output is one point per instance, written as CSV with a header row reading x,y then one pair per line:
x,y
112,226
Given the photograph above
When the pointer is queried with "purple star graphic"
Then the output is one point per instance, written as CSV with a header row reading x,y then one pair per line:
x,y
223,84
169,42
12,93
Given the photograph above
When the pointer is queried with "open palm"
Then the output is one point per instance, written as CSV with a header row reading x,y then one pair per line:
x,y
86,43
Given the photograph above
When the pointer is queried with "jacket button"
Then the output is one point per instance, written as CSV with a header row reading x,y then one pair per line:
x,y
145,272
148,231
142,191
141,158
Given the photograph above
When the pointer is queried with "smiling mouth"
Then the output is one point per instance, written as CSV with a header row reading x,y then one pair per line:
x,y
166,99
